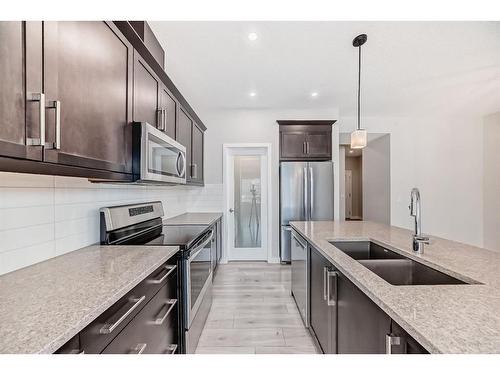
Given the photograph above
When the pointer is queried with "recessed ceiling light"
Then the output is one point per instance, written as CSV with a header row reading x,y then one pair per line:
x,y
253,94
252,36
314,94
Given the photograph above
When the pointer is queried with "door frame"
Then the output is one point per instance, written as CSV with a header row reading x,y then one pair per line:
x,y
348,193
226,152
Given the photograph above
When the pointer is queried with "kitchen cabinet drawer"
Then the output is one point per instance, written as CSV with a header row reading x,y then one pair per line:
x,y
98,334
153,330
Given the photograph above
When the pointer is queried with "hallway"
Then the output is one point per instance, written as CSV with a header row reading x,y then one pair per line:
x,y
254,313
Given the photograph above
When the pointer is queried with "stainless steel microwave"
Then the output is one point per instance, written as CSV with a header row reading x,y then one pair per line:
x,y
156,158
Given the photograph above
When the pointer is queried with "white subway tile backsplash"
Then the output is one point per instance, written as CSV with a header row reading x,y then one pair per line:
x,y
46,216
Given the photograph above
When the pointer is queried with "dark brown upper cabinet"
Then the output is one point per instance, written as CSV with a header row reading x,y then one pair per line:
x,y
88,69
190,135
197,155
153,102
305,140
21,98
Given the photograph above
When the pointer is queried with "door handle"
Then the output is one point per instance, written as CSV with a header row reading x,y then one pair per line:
x,y
40,98
56,145
334,274
391,340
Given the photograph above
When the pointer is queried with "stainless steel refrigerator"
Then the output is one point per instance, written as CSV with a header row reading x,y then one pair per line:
x,y
306,193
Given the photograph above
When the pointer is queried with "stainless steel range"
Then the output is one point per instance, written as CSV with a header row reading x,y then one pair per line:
x,y
142,224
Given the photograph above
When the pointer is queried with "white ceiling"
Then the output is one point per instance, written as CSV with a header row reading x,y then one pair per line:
x,y
408,67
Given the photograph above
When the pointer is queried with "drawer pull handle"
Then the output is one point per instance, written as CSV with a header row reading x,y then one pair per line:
x,y
170,269
391,340
170,305
139,349
110,326
171,349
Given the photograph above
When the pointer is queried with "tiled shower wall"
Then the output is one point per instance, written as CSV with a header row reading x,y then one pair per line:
x,y
46,216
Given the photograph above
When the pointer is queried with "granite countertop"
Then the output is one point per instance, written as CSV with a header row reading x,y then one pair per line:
x,y
44,305
443,318
194,218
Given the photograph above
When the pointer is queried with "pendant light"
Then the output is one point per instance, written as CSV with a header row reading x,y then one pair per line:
x,y
359,136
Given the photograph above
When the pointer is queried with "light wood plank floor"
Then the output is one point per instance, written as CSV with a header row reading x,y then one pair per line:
x,y
254,313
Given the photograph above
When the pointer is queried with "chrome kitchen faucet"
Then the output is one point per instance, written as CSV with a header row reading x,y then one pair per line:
x,y
415,211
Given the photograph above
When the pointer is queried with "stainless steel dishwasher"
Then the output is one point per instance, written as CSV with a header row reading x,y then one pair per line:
x,y
300,275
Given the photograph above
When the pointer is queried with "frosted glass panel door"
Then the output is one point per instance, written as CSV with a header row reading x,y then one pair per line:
x,y
247,202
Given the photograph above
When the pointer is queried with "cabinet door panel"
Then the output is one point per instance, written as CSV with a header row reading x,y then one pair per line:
x,y
88,68
197,154
319,144
293,144
320,313
361,325
146,93
183,136
21,72
169,104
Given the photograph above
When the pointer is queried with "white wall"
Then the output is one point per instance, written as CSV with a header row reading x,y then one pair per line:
x,y
440,156
492,182
376,178
255,126
46,216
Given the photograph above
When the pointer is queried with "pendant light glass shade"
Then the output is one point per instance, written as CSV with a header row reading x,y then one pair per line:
x,y
358,138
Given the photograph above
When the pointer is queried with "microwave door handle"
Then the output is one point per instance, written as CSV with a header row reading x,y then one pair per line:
x,y
181,158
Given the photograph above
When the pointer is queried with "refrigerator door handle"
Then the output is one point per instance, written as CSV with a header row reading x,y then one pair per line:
x,y
311,194
306,211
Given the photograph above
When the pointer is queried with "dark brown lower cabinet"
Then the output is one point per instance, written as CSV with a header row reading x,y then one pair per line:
x,y
400,342
145,320
323,317
344,320
152,331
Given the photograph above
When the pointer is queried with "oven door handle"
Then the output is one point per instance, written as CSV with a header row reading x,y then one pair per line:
x,y
199,248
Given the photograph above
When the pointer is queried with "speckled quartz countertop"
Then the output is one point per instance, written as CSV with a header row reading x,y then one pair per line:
x,y
443,318
44,305
194,218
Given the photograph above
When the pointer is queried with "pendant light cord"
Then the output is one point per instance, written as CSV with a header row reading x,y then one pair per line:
x,y
359,87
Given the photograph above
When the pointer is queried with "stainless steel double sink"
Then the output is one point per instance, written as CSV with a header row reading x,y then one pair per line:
x,y
394,268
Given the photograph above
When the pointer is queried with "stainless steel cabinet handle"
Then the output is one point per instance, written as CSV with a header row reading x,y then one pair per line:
x,y
325,277
330,301
164,120
110,326
38,97
171,349
169,305
307,147
56,105
194,171
159,119
169,268
139,349
391,340
304,149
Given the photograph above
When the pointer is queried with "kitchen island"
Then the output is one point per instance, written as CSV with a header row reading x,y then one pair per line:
x,y
442,318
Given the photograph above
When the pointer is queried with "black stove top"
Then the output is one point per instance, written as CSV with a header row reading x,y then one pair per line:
x,y
177,235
